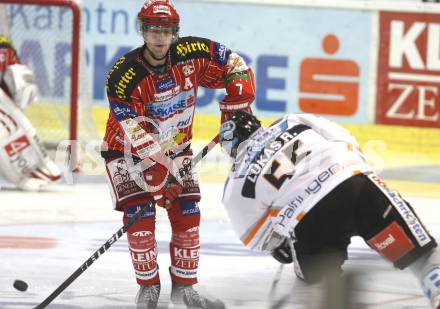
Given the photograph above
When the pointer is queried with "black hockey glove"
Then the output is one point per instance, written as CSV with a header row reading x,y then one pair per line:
x,y
283,253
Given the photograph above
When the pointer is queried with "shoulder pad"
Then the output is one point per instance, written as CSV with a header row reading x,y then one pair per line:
x,y
190,47
124,76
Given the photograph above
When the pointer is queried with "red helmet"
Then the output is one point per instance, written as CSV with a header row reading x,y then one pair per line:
x,y
159,12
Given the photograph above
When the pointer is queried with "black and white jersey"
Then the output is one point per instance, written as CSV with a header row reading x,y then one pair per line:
x,y
293,163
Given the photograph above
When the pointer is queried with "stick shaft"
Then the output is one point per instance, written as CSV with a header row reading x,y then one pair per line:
x,y
114,237
276,278
92,259
206,149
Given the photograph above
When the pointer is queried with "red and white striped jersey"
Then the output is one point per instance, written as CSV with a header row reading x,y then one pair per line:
x,y
293,163
164,103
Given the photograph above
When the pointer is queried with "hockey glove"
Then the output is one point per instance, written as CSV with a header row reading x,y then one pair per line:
x,y
279,230
283,253
240,88
168,194
162,185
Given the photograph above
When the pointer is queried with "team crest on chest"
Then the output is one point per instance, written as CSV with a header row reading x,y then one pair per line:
x,y
188,69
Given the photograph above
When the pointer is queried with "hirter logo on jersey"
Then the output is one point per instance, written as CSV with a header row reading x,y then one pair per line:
x,y
189,47
17,146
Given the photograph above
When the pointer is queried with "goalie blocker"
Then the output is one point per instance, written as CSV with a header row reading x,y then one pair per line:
x,y
23,161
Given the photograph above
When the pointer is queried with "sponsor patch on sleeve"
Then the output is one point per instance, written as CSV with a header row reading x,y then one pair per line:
x,y
244,75
122,111
221,54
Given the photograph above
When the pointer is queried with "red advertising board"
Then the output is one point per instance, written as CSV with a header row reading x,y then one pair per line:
x,y
408,83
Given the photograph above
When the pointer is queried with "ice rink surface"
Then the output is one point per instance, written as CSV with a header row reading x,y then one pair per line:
x,y
45,237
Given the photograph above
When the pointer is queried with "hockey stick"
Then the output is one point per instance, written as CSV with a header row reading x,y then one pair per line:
x,y
276,304
276,279
114,237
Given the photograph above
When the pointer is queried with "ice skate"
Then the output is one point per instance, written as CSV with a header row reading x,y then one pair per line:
x,y
148,296
185,294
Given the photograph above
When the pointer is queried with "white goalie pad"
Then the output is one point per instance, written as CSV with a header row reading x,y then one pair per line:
x,y
20,82
23,161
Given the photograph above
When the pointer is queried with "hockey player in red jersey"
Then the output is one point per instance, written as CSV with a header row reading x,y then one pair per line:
x,y
152,92
301,189
23,160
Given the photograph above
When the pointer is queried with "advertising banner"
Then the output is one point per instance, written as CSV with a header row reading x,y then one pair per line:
x,y
304,59
408,70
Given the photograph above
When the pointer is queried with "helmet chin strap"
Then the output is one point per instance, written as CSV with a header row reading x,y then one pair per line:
x,y
153,56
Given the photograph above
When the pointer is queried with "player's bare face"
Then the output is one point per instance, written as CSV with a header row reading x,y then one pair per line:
x,y
158,40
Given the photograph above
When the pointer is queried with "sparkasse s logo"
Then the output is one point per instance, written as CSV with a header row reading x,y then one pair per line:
x,y
408,69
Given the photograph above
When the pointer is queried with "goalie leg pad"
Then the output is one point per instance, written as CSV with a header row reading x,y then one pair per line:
x,y
185,244
23,160
142,245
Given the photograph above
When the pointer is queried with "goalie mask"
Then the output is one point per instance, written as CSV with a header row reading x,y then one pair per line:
x,y
158,15
236,130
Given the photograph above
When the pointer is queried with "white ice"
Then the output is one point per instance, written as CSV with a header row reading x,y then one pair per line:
x,y
80,219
